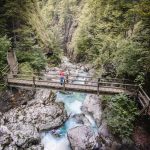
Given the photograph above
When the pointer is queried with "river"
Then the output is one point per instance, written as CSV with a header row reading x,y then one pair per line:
x,y
57,139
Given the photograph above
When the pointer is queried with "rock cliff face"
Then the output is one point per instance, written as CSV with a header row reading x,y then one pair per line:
x,y
70,15
20,127
62,18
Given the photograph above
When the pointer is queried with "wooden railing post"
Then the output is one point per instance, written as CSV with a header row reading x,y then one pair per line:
x,y
6,81
98,84
137,91
148,108
64,84
67,79
34,85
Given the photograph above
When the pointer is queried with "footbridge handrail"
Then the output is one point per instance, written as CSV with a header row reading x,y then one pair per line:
x,y
5,70
53,75
75,80
144,99
83,83
30,77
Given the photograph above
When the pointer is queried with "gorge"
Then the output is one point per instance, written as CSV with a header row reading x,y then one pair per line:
x,y
105,39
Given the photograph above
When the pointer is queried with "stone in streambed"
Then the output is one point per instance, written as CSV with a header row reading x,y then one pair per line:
x,y
36,147
104,130
92,105
24,135
81,119
82,138
5,137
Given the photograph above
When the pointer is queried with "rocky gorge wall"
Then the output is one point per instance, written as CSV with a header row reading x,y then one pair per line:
x,y
56,23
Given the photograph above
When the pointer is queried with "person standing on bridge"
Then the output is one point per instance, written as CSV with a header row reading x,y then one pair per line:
x,y
62,74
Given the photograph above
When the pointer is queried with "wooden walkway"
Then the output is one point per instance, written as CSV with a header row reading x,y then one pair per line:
x,y
12,61
72,83
77,84
88,88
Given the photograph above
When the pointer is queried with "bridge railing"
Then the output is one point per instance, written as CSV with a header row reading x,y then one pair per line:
x,y
4,71
144,100
79,80
86,82
53,75
3,77
56,74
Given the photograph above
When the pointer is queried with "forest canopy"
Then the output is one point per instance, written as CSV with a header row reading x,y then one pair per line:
x,y
103,32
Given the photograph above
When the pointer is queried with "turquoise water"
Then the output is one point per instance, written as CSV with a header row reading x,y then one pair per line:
x,y
57,139
73,101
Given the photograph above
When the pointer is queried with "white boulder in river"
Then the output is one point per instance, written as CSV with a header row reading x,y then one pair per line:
x,y
92,105
21,126
82,138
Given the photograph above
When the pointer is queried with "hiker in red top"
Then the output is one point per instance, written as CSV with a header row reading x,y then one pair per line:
x,y
62,74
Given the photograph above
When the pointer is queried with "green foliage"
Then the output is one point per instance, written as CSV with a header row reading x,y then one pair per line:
x,y
32,59
127,58
4,46
26,69
38,61
54,60
116,32
3,28
120,112
39,17
30,25
97,31
140,79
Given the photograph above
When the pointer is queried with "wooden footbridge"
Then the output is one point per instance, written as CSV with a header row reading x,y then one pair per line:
x,y
72,83
77,84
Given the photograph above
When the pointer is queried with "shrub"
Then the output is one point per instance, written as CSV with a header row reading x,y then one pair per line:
x,y
4,46
25,68
35,59
120,112
54,60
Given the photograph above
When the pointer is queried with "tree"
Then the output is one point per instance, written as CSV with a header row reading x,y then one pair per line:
x,y
120,113
4,46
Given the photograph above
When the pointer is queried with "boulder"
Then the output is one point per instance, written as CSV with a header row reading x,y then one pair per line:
x,y
92,105
36,147
103,130
5,137
11,147
82,138
21,126
46,114
24,135
81,119
21,135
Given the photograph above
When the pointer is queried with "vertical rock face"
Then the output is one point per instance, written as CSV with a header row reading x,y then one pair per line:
x,y
92,105
82,138
72,11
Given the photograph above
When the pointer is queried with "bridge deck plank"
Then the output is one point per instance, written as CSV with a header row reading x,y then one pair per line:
x,y
71,87
90,88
